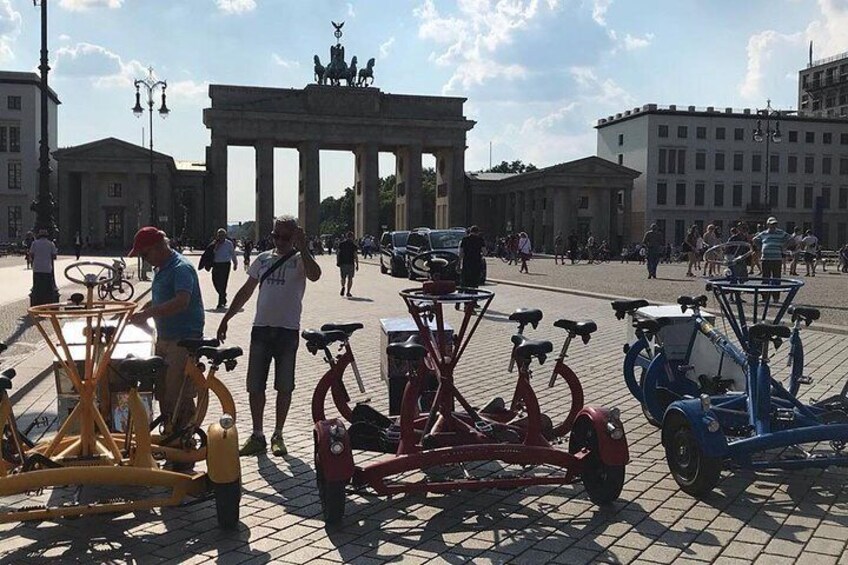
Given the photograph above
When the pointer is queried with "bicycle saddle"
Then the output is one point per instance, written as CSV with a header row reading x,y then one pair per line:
x,y
195,343
346,328
689,301
218,355
141,372
651,326
622,307
3,347
322,339
6,379
526,316
762,332
583,328
805,313
533,348
409,350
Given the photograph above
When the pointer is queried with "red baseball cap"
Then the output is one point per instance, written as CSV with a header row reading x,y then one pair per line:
x,y
147,236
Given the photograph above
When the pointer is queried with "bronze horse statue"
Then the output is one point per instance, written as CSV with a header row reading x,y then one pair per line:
x,y
319,70
366,74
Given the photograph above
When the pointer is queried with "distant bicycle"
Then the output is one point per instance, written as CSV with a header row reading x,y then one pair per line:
x,y
118,287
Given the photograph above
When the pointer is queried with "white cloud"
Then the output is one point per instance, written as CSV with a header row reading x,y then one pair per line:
x,y
104,68
632,42
189,91
10,29
285,63
599,11
351,13
471,39
82,5
386,47
64,37
236,6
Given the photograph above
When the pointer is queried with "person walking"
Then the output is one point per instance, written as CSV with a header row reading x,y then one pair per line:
x,y
690,247
78,245
843,259
43,253
559,249
471,258
710,240
176,307
573,246
525,250
248,249
280,274
654,242
30,237
347,260
224,255
811,246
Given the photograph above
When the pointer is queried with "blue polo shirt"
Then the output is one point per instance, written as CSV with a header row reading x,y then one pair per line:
x,y
175,276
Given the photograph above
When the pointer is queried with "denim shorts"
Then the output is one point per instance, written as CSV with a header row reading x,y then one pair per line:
x,y
267,344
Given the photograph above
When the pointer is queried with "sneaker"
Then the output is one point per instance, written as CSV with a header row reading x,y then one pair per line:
x,y
278,446
348,295
341,292
253,446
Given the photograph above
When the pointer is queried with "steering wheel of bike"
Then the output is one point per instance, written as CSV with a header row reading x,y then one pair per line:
x,y
436,263
89,273
729,254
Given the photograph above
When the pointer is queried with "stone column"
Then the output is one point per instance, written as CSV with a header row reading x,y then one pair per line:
x,y
216,159
627,221
309,188
560,211
548,218
599,207
450,187
409,205
264,189
366,191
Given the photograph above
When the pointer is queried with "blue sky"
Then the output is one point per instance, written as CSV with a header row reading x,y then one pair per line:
x,y
537,73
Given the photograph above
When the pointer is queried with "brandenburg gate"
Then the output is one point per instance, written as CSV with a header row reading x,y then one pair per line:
x,y
349,117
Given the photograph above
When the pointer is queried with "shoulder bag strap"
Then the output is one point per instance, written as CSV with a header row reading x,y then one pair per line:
x,y
276,266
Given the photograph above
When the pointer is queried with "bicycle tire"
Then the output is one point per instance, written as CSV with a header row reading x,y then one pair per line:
x,y
122,291
103,291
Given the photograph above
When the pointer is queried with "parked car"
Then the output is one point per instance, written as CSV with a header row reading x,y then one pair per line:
x,y
424,240
393,253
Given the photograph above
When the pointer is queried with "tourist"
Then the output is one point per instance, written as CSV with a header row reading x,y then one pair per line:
x,y
843,258
525,250
690,248
797,247
176,307
42,253
78,245
347,261
770,244
471,258
281,275
248,249
559,251
710,240
225,254
573,246
27,244
738,269
811,247
654,242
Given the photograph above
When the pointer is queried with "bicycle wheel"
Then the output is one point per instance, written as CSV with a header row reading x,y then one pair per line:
x,y
122,291
103,291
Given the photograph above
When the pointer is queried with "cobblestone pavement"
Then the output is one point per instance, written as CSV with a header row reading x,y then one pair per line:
x,y
764,517
826,291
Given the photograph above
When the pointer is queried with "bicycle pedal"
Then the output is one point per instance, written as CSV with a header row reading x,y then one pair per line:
x,y
784,414
805,380
41,422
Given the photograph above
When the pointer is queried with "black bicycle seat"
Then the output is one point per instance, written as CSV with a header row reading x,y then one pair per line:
x,y
762,332
533,348
651,326
6,379
322,339
622,307
807,314
141,371
3,347
218,355
526,316
580,327
195,343
346,328
688,301
409,350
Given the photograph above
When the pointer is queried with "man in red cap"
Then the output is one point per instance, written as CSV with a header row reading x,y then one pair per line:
x,y
177,309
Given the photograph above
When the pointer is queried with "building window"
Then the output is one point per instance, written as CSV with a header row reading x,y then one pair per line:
x,y
739,134
680,196
620,139
583,202
662,131
701,132
14,102
791,196
737,195
662,160
843,166
843,139
808,197
114,224
14,139
841,233
662,194
679,230
737,161
681,161
719,133
756,163
825,197
843,197
793,164
755,194
620,159
682,132
661,225
719,161
810,137
772,196
114,190
827,164
809,164
700,161
699,194
4,136
14,175
718,195
827,138
774,163
16,222
793,136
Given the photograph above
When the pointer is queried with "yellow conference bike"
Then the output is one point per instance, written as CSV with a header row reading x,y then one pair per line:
x,y
109,455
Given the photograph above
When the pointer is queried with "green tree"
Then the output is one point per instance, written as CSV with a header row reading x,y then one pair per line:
x,y
516,166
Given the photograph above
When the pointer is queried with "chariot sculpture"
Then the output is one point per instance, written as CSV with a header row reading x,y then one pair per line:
x,y
337,69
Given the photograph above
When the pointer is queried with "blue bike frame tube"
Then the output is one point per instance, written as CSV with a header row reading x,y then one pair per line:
x,y
631,361
784,438
657,369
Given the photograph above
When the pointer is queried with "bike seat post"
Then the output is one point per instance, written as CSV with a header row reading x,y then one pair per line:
x,y
564,352
354,366
511,367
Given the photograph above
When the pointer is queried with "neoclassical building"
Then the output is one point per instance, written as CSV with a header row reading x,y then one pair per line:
x,y
586,195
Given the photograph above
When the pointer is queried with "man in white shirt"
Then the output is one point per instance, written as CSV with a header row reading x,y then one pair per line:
x,y
43,252
225,253
811,247
281,275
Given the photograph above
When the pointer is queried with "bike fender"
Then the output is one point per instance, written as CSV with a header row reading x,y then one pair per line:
x,y
222,454
713,444
335,467
633,352
612,451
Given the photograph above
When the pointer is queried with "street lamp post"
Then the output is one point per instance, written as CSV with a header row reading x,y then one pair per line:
x,y
768,114
150,85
